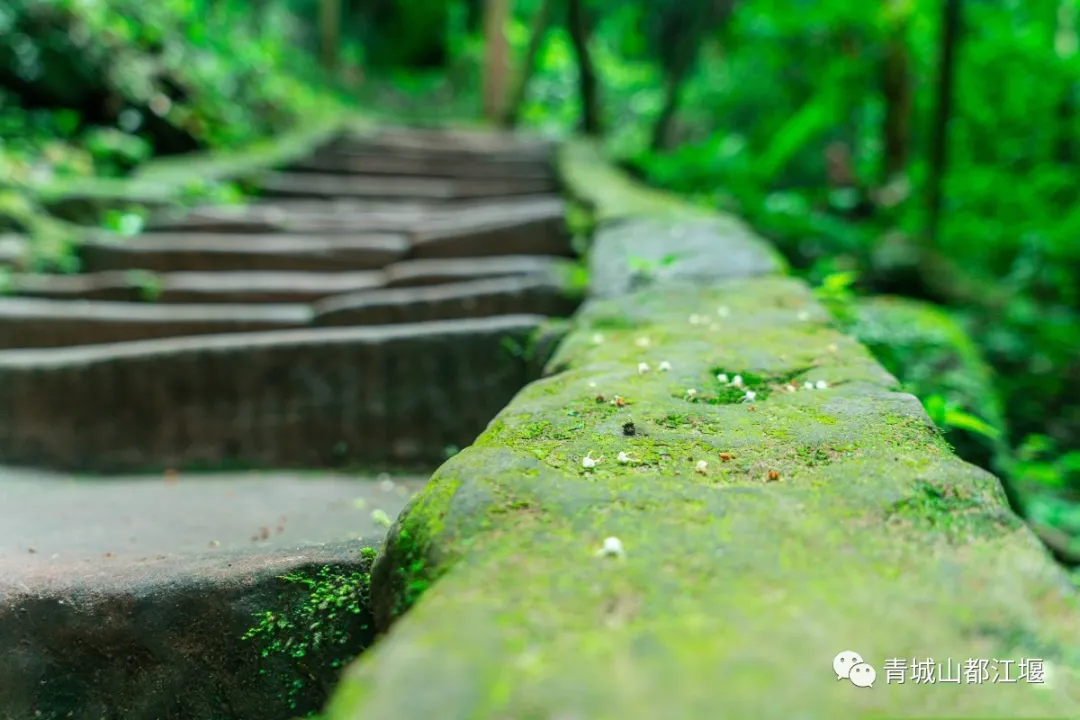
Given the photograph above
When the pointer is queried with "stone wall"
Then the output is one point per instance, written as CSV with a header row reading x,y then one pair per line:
x,y
768,499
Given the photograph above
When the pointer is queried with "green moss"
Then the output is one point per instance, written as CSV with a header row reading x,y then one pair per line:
x,y
811,520
320,627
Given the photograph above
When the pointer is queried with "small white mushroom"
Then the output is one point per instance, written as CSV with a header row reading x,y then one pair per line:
x,y
665,366
701,467
612,548
749,396
737,381
821,385
625,458
589,461
722,378
642,368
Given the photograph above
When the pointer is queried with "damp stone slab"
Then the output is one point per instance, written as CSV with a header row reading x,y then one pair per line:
x,y
131,596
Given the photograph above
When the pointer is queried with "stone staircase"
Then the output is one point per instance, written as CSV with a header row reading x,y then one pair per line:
x,y
373,307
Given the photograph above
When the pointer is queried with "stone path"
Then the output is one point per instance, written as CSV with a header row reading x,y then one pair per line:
x,y
382,232
374,309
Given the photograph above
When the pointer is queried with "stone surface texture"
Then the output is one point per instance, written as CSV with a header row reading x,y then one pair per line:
x,y
760,535
132,598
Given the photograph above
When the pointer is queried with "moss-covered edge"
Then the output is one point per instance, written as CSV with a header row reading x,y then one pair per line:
x,y
409,561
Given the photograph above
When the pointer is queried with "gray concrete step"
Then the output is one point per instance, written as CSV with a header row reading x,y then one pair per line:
x,y
131,597
384,396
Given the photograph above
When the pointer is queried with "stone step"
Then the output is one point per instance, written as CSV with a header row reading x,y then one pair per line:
x,y
131,597
481,298
376,396
165,252
409,273
315,185
36,323
534,227
385,163
351,214
472,144
195,287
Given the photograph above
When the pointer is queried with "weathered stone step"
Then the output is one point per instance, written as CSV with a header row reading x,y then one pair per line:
x,y
296,398
311,185
351,214
164,252
384,163
195,287
131,597
408,273
448,143
526,227
541,295
36,323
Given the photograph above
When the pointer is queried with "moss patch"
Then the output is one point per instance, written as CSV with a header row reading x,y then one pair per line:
x,y
820,519
328,627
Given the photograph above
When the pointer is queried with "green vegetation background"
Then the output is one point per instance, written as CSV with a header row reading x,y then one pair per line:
x,y
782,116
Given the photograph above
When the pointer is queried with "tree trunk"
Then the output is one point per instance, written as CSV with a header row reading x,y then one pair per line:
x,y
579,35
673,83
528,64
951,18
330,32
898,93
1065,46
496,59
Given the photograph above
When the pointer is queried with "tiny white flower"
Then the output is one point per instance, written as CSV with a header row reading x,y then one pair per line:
x,y
625,458
701,467
691,392
642,342
597,339
803,315
722,377
790,388
723,311
665,366
808,385
612,548
642,368
749,396
592,385
821,385
737,381
589,461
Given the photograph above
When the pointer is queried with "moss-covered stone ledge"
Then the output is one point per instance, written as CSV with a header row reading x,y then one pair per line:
x,y
762,534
